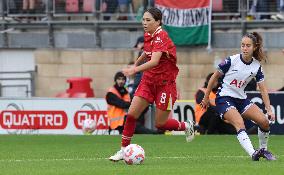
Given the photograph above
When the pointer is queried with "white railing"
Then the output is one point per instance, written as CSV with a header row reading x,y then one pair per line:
x,y
222,9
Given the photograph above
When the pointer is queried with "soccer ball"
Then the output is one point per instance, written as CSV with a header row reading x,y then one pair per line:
x,y
133,154
89,126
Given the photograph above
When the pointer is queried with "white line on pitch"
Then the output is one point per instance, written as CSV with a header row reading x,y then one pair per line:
x,y
102,158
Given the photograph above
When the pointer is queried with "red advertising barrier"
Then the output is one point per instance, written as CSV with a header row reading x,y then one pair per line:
x,y
52,115
33,119
99,116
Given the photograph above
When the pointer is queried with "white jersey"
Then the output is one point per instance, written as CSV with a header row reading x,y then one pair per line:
x,y
237,74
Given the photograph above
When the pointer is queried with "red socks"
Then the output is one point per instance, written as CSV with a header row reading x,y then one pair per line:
x,y
172,125
130,124
128,131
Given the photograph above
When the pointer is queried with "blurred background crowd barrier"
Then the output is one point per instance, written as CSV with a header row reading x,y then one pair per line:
x,y
100,21
131,9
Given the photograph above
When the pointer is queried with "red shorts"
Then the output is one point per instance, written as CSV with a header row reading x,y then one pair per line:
x,y
164,96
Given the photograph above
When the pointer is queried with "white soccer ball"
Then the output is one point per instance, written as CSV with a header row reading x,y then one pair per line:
x,y
89,126
133,154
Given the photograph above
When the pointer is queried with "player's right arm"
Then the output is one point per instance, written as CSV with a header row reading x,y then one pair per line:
x,y
140,59
155,58
222,68
148,65
214,78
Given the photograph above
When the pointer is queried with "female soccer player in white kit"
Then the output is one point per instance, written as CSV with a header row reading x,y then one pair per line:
x,y
232,104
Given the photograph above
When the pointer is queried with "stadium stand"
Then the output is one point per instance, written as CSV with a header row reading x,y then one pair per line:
x,y
88,17
54,29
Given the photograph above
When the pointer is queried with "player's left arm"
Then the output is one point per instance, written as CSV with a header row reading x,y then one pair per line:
x,y
265,98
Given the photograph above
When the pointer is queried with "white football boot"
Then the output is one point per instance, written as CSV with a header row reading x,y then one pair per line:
x,y
189,130
117,156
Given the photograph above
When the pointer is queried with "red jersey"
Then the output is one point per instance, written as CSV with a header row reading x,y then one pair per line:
x,y
167,69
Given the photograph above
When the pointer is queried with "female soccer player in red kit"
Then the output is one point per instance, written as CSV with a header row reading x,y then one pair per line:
x,y
158,83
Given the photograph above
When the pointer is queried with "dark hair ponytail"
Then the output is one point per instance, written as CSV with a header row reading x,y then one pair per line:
x,y
258,45
258,53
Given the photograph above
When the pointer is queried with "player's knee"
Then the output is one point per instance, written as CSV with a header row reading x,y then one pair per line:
x,y
238,125
264,125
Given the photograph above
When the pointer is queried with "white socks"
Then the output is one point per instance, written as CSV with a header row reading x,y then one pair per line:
x,y
263,138
245,141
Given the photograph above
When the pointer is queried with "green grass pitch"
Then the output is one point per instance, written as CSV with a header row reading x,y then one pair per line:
x,y
87,155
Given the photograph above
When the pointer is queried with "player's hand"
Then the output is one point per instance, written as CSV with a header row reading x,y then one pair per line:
x,y
271,116
129,71
204,103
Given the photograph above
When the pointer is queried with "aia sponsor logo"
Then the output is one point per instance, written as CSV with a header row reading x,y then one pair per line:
x,y
10,119
99,116
237,83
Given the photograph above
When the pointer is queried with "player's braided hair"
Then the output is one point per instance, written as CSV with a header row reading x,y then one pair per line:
x,y
258,45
